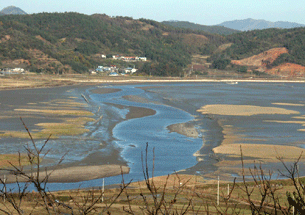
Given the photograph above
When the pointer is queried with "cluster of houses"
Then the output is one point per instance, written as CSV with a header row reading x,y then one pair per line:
x,y
114,71
129,59
9,71
126,58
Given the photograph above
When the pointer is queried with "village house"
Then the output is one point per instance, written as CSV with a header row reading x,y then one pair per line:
x,y
116,57
99,69
142,58
92,72
106,69
130,70
15,71
129,58
20,70
113,74
112,69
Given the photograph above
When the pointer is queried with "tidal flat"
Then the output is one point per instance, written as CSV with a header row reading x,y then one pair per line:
x,y
194,128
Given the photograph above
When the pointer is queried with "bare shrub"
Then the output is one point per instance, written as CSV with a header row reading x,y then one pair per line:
x,y
159,199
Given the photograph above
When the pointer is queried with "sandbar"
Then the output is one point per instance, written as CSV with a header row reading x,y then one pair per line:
x,y
228,152
135,112
243,110
186,129
105,90
262,152
289,104
76,173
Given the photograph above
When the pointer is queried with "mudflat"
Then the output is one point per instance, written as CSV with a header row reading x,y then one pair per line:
x,y
34,110
59,112
51,111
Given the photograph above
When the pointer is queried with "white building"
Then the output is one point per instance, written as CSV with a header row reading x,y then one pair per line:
x,y
17,70
130,70
143,58
113,74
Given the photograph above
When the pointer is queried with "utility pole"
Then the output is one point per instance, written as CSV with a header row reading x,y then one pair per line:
x,y
103,190
218,192
4,180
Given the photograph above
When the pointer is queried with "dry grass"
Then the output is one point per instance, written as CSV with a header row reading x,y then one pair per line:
x,y
203,197
69,114
7,159
68,127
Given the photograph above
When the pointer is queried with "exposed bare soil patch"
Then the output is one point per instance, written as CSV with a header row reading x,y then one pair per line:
x,y
262,59
288,70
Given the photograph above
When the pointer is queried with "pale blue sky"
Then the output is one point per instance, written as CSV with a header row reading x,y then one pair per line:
x,y
205,12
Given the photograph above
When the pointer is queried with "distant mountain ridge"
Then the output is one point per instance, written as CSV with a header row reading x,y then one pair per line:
x,y
12,10
197,27
258,24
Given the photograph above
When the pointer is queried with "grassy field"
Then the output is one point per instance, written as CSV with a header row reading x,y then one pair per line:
x,y
184,195
172,194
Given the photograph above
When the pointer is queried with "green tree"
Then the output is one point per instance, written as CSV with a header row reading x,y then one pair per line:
x,y
243,69
221,64
284,58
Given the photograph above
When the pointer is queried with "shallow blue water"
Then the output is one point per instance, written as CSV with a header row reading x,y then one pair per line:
x,y
132,135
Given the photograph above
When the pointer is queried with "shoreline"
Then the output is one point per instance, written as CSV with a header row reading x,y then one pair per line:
x,y
52,81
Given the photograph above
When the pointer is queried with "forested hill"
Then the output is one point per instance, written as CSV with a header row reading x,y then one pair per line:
x,y
71,42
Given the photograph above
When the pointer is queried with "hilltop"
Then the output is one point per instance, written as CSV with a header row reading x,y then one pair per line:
x,y
12,10
197,27
258,24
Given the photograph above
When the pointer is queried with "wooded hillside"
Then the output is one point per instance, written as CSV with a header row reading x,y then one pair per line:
x,y
73,42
